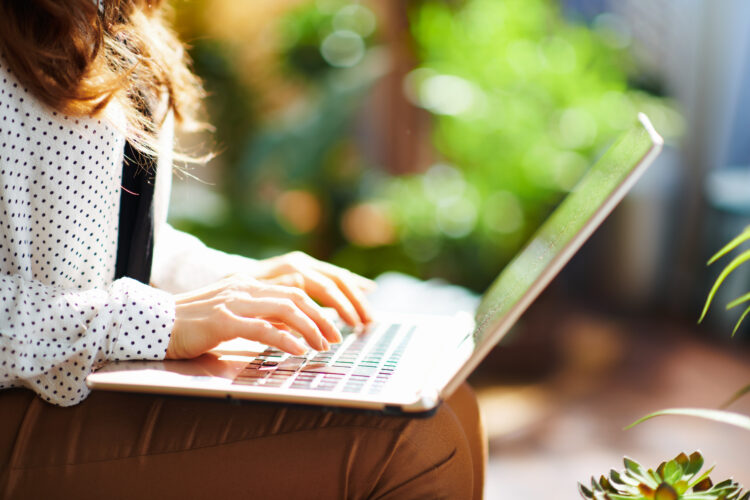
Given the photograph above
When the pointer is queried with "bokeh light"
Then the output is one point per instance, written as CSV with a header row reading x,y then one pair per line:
x,y
503,212
343,48
447,94
298,211
355,18
368,225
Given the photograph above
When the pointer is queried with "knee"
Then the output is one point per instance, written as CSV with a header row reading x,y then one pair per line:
x,y
431,459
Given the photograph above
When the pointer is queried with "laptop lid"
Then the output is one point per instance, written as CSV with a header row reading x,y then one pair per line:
x,y
555,243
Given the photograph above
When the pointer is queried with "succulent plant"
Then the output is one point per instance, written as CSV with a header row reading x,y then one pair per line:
x,y
678,479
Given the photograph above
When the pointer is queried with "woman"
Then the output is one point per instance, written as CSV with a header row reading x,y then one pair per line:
x,y
90,272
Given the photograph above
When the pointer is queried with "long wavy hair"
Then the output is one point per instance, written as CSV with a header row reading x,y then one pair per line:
x,y
77,56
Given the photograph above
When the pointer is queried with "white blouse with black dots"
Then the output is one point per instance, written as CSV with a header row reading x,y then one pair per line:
x,y
62,314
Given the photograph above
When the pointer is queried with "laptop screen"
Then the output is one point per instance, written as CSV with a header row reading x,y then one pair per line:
x,y
563,233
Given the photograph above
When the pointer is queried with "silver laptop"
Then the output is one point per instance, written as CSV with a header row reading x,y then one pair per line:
x,y
404,363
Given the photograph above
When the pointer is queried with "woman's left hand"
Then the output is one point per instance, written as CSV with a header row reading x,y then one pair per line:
x,y
330,285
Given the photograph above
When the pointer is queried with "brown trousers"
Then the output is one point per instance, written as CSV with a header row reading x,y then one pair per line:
x,y
141,446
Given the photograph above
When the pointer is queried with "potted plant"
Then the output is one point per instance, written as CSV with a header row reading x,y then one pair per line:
x,y
679,478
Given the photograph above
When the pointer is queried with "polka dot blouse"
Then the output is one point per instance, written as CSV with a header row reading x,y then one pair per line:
x,y
62,314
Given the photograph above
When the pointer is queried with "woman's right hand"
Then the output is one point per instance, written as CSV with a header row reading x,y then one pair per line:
x,y
242,307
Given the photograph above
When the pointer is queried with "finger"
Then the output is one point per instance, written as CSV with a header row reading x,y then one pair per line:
x,y
295,280
364,284
263,331
276,267
324,290
354,294
309,308
292,263
282,310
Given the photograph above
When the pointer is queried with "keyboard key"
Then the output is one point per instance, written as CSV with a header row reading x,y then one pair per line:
x,y
253,374
364,371
325,369
292,364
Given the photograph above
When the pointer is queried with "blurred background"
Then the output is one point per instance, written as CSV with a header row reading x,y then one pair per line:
x,y
432,137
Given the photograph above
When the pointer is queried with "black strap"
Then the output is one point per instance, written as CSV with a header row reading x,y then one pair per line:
x,y
135,240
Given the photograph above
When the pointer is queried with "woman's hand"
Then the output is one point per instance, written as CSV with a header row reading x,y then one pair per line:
x,y
330,285
244,307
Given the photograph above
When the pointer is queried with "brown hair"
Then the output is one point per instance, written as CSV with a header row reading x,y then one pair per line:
x,y
78,55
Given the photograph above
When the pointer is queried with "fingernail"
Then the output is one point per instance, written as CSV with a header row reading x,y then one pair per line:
x,y
325,344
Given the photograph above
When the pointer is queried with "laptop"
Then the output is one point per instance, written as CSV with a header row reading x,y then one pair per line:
x,y
404,363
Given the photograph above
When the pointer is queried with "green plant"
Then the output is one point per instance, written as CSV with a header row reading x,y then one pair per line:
x,y
736,419
722,416
673,473
677,479
731,267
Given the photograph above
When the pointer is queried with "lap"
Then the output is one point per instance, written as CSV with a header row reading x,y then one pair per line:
x,y
153,446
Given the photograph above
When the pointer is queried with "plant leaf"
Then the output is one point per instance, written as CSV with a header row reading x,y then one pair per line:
x,y
660,471
665,492
727,483
683,460
703,484
653,475
680,486
636,470
739,321
696,462
646,490
672,472
698,484
736,241
585,492
595,486
606,486
721,416
736,262
739,300
614,477
737,395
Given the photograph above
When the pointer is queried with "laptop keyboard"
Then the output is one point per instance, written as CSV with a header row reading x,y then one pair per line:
x,y
361,363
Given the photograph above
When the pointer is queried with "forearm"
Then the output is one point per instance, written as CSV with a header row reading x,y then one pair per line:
x,y
51,338
183,263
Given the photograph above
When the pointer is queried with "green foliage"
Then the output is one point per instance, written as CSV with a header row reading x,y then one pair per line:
x,y
522,102
725,417
731,267
306,146
702,488
677,479
316,41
